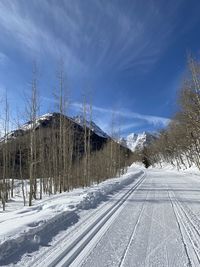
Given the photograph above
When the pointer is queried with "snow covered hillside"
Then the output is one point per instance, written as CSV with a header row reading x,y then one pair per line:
x,y
137,141
91,125
45,119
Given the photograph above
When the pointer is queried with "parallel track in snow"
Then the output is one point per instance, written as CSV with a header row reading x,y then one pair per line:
x,y
71,252
133,234
188,229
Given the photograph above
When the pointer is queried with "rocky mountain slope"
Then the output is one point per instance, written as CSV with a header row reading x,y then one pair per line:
x,y
47,119
92,125
137,141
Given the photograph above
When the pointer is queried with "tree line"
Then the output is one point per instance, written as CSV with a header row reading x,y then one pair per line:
x,y
55,158
179,143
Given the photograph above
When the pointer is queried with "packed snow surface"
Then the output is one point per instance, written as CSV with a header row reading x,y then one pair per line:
x,y
145,218
19,224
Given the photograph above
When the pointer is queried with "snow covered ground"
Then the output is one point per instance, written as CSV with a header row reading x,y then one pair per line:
x,y
146,218
25,229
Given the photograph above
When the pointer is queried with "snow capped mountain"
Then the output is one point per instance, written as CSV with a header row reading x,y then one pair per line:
x,y
96,129
122,141
133,141
27,126
137,141
44,120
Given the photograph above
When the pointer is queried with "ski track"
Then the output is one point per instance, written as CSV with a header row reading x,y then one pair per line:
x,y
153,222
37,238
72,245
190,231
96,228
133,234
154,235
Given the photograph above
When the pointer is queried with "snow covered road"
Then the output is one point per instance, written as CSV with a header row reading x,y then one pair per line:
x,y
152,221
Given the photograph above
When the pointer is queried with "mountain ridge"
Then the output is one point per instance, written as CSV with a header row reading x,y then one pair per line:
x,y
137,141
43,120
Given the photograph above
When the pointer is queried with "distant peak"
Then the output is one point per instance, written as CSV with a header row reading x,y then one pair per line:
x,y
137,141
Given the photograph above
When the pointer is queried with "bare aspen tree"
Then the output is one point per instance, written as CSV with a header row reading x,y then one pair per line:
x,y
61,155
32,112
64,133
19,146
87,125
40,169
179,144
89,140
113,137
61,110
21,174
5,183
85,140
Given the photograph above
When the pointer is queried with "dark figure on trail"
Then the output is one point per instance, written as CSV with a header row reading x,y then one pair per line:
x,y
146,162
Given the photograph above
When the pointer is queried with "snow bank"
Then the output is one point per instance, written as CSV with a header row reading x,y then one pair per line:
x,y
29,227
167,166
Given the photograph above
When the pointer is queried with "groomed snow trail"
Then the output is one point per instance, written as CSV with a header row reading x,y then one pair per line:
x,y
154,221
146,232
158,226
70,250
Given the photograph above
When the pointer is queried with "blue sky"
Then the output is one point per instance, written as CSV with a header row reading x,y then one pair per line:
x,y
130,55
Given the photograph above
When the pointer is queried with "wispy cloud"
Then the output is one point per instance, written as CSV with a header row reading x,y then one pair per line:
x,y
123,117
154,120
126,127
120,38
124,120
93,37
34,38
3,58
